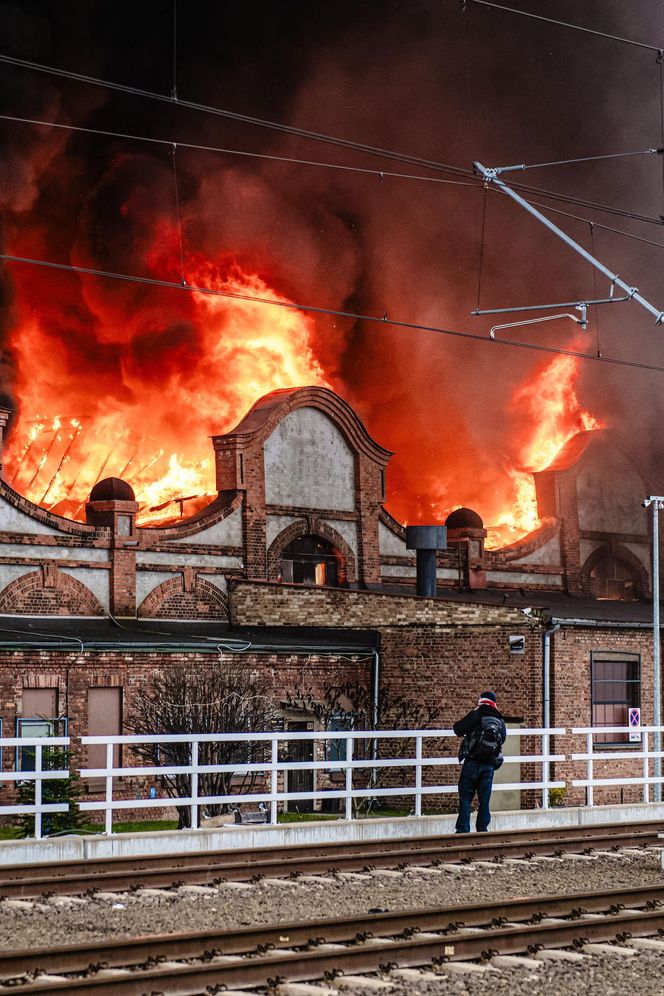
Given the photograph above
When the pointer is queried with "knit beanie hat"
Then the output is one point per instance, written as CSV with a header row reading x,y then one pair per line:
x,y
487,698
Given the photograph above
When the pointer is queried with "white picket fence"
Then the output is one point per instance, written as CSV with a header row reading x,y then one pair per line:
x,y
353,774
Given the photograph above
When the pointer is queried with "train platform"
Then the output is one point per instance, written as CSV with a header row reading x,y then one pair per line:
x,y
324,831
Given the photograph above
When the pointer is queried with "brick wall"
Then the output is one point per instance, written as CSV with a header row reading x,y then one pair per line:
x,y
73,674
431,650
48,592
572,706
185,596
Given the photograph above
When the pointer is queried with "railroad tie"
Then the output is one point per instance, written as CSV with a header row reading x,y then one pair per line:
x,y
646,943
299,989
411,975
316,880
365,982
465,968
197,890
608,949
514,961
556,954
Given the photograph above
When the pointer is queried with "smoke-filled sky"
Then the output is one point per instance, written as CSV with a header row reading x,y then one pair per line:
x,y
422,78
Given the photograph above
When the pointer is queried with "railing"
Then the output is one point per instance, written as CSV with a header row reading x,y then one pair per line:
x,y
405,765
42,747
276,773
604,752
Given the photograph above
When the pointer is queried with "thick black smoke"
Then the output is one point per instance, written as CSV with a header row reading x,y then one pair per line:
x,y
424,78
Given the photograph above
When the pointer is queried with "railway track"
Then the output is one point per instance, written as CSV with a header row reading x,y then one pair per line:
x,y
238,865
187,964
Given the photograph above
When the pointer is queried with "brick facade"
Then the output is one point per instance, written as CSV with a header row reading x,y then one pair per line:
x,y
223,564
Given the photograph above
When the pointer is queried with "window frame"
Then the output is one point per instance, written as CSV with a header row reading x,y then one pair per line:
x,y
36,721
615,741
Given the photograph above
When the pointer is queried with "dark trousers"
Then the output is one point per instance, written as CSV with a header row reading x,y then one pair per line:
x,y
474,778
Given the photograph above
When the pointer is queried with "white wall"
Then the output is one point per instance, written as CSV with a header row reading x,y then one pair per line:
x,y
308,463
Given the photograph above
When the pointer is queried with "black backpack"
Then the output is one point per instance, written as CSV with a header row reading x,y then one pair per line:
x,y
486,740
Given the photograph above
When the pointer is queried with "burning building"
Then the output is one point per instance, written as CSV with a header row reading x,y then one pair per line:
x,y
297,562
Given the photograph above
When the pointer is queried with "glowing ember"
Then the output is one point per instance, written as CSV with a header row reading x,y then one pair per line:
x,y
178,381
552,409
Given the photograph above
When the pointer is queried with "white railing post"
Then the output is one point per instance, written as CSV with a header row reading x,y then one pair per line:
x,y
194,784
108,817
349,778
418,776
589,770
274,781
38,791
646,768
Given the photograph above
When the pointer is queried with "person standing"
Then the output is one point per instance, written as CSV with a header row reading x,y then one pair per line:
x,y
483,730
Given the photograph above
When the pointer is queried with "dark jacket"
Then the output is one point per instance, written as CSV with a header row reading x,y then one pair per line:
x,y
472,720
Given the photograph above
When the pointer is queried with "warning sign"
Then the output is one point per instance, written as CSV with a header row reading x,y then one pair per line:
x,y
634,725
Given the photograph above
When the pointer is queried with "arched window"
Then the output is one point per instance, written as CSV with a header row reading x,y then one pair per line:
x,y
310,560
612,578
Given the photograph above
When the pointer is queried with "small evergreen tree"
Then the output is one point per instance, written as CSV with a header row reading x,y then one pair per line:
x,y
54,790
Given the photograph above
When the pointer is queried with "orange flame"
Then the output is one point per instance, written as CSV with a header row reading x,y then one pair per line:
x,y
150,430
550,404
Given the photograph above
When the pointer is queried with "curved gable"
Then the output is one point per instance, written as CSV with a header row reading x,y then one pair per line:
x,y
308,463
609,491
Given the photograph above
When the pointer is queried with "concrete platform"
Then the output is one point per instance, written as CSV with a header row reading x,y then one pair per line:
x,y
72,848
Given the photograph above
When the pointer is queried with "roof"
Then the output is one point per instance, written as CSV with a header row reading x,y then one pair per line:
x,y
552,604
104,633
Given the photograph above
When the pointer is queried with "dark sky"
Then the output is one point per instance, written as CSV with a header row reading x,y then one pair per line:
x,y
421,78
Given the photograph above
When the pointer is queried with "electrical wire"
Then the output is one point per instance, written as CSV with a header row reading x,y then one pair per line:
x,y
304,133
596,224
481,260
583,159
316,309
566,24
379,173
174,91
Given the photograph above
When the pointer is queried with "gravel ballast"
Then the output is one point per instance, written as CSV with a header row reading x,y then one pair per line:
x,y
61,920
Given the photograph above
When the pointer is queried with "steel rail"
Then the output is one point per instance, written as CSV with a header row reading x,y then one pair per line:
x,y
25,881
246,940
326,960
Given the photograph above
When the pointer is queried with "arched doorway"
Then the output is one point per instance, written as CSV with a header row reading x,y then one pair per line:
x,y
309,559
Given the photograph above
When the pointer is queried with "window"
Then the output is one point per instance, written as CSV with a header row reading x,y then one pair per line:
x,y
612,578
40,719
616,687
25,756
335,750
104,719
124,525
310,560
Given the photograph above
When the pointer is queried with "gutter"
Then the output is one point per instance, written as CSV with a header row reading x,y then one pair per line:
x,y
600,623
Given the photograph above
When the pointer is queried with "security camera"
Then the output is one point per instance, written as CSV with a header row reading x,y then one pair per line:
x,y
645,503
527,612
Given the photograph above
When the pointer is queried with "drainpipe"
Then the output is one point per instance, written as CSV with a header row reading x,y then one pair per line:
x,y
546,709
375,709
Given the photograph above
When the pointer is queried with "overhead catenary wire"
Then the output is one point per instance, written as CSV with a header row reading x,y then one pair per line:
x,y
472,181
582,159
307,134
383,320
381,174
344,167
566,24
